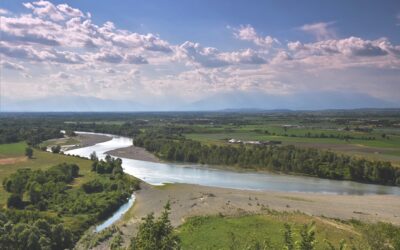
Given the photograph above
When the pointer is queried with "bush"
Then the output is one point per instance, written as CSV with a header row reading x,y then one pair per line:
x,y
15,201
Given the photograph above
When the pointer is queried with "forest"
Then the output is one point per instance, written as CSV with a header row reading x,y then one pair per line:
x,y
41,202
287,159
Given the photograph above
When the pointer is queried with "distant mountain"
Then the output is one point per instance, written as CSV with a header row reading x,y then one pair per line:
x,y
70,103
226,102
303,101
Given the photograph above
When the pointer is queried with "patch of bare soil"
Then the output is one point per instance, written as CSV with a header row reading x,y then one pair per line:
x,y
13,160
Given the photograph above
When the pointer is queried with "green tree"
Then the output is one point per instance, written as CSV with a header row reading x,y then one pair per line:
x,y
29,152
156,234
15,201
56,149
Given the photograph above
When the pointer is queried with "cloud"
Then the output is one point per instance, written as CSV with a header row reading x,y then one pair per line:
x,y
321,31
248,33
12,66
352,46
204,56
29,53
61,75
247,56
212,58
65,47
4,12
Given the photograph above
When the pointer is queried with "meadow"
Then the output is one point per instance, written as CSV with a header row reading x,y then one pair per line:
x,y
41,160
241,231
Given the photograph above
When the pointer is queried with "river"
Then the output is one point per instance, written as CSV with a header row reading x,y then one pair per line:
x,y
161,173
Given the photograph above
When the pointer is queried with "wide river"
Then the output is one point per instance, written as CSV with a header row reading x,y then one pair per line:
x,y
161,173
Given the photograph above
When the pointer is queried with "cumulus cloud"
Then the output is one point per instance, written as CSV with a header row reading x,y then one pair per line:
x,y
321,31
248,33
63,45
352,46
51,26
212,58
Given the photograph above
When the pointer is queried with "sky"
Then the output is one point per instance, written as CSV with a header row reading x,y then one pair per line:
x,y
198,55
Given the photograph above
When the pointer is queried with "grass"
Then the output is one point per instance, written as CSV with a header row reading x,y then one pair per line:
x,y
41,160
388,148
217,232
12,150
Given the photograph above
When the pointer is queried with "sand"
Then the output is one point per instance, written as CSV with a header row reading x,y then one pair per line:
x,y
86,140
191,200
135,153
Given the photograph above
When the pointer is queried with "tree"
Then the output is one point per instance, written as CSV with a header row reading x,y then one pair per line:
x,y
35,192
93,156
156,234
56,149
15,201
29,152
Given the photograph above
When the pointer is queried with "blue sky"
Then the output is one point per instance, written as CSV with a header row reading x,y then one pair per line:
x,y
178,55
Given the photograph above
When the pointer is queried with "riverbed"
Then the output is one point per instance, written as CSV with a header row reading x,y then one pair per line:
x,y
157,173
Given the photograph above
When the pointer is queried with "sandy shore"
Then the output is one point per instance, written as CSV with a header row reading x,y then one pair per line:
x,y
86,140
135,153
191,200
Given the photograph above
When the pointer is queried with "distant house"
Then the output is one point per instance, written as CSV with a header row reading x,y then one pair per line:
x,y
235,141
232,141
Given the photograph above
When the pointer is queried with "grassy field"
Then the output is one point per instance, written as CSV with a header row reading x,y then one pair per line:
x,y
41,160
378,144
216,232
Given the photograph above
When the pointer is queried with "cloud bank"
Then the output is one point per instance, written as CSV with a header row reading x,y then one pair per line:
x,y
57,50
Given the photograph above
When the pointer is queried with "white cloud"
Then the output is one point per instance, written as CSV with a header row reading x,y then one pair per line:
x,y
321,31
248,33
4,12
62,46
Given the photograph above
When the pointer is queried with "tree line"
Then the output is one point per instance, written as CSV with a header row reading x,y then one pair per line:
x,y
287,159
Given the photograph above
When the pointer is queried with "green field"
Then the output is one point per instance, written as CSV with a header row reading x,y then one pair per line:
x,y
41,160
217,232
385,148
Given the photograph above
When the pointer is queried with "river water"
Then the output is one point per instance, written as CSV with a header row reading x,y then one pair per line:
x,y
161,173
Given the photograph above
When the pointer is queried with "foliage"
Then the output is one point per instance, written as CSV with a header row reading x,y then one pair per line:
x,y
56,149
156,233
381,236
49,191
288,237
313,162
29,152
28,230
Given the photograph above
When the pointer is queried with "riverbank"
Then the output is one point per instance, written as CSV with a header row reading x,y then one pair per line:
x,y
86,140
193,200
78,141
135,153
